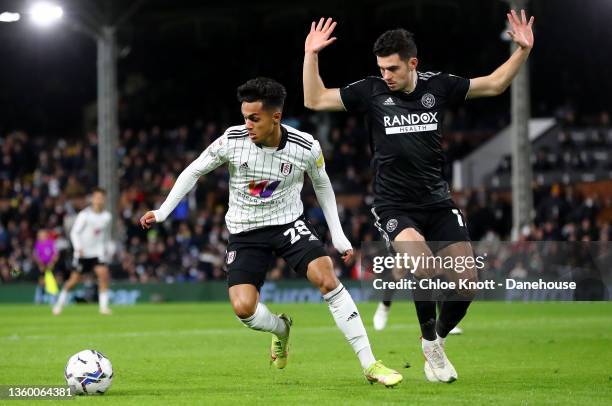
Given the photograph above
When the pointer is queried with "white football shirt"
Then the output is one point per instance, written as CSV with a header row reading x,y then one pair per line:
x,y
265,183
90,234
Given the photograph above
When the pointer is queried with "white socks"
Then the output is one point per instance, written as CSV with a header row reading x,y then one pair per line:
x,y
383,308
61,300
264,320
347,318
63,296
103,299
345,313
426,344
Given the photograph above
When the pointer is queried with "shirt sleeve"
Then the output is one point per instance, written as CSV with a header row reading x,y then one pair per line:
x,y
316,163
326,198
75,232
212,157
107,244
455,87
356,95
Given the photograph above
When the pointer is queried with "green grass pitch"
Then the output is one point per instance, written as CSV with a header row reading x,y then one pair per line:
x,y
511,353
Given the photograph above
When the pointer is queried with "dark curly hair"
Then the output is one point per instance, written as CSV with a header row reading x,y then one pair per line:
x,y
398,41
268,91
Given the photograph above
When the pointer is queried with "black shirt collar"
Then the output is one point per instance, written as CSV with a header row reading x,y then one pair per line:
x,y
284,137
283,140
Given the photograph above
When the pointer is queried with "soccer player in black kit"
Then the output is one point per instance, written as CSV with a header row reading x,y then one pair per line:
x,y
412,202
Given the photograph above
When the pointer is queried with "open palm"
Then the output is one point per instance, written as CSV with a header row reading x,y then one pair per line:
x,y
521,32
318,37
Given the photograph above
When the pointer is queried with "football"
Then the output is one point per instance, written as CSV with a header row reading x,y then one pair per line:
x,y
89,372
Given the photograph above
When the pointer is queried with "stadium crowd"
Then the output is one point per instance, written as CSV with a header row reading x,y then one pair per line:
x,y
44,183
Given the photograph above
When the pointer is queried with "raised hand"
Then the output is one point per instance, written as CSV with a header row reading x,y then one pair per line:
x,y
318,37
147,220
521,32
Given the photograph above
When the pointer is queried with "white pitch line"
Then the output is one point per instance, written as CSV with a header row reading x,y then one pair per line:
x,y
171,333
306,330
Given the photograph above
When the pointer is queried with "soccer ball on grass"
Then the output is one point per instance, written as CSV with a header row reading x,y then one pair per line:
x,y
89,372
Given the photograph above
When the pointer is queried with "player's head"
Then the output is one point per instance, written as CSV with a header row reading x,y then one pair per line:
x,y
262,107
42,234
396,56
98,198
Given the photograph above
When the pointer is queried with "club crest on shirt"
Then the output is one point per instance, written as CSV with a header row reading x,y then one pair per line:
x,y
391,225
231,256
428,100
285,168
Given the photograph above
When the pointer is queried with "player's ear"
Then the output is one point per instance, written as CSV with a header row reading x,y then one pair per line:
x,y
276,116
413,62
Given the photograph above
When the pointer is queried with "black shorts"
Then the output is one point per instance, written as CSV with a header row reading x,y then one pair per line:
x,y
250,254
84,265
440,226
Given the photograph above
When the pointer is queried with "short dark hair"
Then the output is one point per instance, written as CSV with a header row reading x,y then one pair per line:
x,y
397,41
268,91
98,190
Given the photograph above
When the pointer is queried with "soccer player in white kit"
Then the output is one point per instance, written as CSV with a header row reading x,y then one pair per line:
x,y
90,238
267,161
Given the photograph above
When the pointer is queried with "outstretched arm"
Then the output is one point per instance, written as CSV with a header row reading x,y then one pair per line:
x,y
327,200
75,233
211,158
498,81
316,95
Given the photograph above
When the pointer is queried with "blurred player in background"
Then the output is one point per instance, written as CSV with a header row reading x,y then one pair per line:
x,y
90,237
267,161
45,255
412,202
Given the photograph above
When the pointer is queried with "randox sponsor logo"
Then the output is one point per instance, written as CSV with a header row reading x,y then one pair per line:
x,y
410,119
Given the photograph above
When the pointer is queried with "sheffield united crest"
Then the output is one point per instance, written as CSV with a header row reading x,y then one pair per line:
x,y
391,225
428,100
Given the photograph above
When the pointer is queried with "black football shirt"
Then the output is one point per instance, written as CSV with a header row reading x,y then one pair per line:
x,y
406,136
